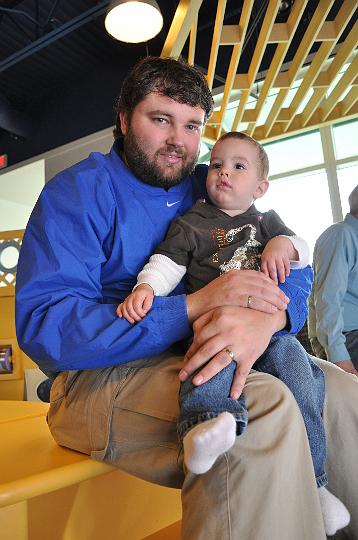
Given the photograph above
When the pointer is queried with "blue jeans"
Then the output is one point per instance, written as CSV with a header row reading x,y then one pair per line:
x,y
284,358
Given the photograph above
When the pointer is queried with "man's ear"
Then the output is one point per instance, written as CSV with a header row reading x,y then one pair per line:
x,y
261,189
123,120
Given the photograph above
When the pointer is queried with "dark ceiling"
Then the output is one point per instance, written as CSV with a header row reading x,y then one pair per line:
x,y
60,72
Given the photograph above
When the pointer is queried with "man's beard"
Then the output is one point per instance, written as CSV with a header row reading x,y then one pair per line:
x,y
148,171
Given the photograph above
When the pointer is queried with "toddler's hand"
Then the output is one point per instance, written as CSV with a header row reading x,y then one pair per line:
x,y
275,258
137,304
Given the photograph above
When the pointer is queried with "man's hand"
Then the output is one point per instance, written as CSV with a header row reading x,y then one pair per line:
x,y
244,332
241,288
276,257
347,365
137,304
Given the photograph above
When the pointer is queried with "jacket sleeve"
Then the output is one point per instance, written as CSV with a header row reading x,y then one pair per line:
x,y
62,320
162,274
302,249
176,244
297,287
331,282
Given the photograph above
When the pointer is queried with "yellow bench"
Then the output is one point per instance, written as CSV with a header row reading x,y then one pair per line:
x,y
14,410
51,493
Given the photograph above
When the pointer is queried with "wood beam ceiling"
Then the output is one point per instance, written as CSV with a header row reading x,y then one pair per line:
x,y
312,90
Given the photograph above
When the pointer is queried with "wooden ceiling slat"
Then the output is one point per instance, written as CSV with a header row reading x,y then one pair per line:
x,y
192,41
280,33
283,117
245,94
349,101
219,19
321,80
281,80
262,41
335,114
310,76
345,51
309,38
312,105
241,82
259,133
278,58
275,109
320,57
259,51
331,73
328,32
303,49
209,135
297,126
215,119
249,116
185,15
347,9
344,82
235,58
230,35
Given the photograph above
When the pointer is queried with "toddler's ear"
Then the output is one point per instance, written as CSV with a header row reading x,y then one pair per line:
x,y
261,189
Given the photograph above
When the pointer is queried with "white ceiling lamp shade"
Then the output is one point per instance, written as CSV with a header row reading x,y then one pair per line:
x,y
133,21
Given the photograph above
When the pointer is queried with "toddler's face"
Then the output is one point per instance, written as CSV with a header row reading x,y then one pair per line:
x,y
233,180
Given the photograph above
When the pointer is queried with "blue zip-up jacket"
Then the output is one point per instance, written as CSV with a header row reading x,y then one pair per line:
x,y
93,228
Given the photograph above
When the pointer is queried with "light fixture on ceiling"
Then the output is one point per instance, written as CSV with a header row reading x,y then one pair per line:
x,y
133,21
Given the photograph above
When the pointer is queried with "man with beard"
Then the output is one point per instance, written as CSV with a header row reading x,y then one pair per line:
x,y
115,386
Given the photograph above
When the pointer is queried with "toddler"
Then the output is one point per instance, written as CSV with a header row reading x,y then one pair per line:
x,y
225,233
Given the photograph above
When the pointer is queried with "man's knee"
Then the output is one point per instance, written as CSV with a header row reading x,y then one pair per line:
x,y
267,396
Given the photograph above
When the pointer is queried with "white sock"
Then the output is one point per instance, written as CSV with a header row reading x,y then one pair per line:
x,y
207,441
335,514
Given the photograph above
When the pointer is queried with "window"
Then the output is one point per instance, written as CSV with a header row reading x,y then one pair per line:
x,y
302,202
20,189
295,153
346,139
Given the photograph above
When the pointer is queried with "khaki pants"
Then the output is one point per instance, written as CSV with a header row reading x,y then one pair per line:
x,y
263,489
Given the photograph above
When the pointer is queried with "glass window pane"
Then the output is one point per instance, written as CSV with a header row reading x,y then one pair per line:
x,y
20,189
295,153
302,202
345,138
347,181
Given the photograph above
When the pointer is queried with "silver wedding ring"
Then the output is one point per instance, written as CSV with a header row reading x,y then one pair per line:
x,y
249,301
230,353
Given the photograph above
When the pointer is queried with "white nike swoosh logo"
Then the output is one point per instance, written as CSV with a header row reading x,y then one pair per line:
x,y
169,204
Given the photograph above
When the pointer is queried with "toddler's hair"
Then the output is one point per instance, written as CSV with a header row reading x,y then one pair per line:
x,y
262,156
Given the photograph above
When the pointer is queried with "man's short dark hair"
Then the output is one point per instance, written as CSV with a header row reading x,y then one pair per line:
x,y
168,77
353,202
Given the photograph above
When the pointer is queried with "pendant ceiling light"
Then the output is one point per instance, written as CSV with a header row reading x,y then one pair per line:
x,y
133,21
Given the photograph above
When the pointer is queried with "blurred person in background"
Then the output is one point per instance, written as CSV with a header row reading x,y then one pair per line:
x,y
333,304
